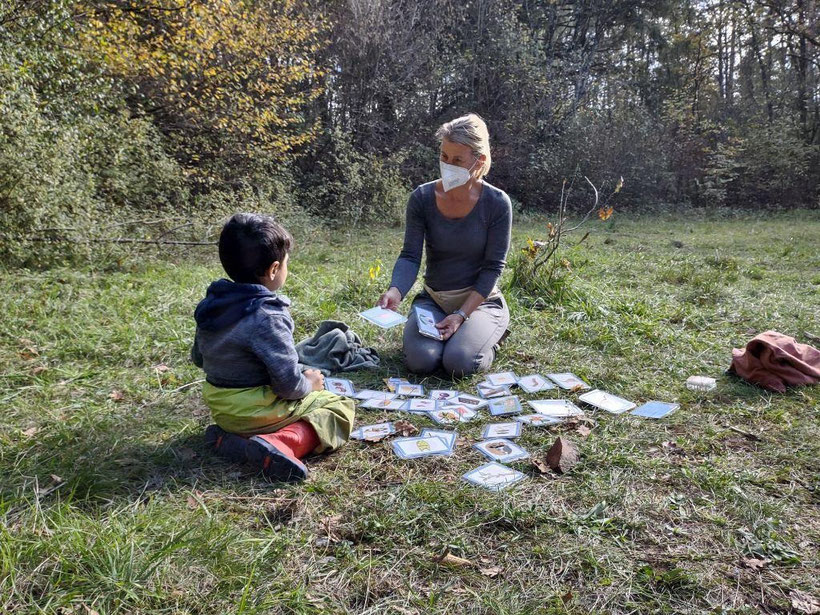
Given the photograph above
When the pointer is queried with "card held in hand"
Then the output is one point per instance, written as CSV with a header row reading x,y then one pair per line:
x,y
427,323
382,317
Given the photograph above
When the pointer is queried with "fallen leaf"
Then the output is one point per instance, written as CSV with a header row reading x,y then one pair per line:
x,y
116,395
583,431
562,456
491,571
673,448
192,503
56,479
405,428
31,432
161,368
28,353
566,598
90,611
541,465
186,453
448,559
38,370
577,388
804,603
754,563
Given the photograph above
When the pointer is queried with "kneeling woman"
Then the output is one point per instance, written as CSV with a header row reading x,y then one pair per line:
x,y
465,223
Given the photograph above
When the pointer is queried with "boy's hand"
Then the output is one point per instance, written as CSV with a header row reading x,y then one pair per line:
x,y
390,300
316,379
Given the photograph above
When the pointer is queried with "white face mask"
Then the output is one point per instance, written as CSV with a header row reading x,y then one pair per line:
x,y
453,176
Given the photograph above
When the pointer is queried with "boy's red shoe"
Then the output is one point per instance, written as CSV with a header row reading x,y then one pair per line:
x,y
279,453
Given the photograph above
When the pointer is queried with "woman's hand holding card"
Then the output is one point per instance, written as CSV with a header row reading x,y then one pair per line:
x,y
449,325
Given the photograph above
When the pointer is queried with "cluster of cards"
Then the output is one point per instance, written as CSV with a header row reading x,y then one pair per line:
x,y
499,450
498,384
428,443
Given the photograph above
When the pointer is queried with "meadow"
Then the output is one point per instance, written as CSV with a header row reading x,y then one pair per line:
x,y
109,502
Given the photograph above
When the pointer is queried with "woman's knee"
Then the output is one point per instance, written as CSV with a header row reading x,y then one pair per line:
x,y
459,361
422,359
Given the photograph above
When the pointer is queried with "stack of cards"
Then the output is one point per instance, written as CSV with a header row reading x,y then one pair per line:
x,y
655,409
606,401
382,317
501,450
493,476
427,323
373,432
421,446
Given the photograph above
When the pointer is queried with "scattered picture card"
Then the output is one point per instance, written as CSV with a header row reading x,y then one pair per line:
x,y
502,379
421,405
538,420
410,390
511,429
493,476
410,448
340,386
655,409
535,383
501,450
568,381
468,400
449,437
505,405
606,401
443,394
384,404
373,432
489,391
555,407
450,415
382,317
392,383
371,394
427,323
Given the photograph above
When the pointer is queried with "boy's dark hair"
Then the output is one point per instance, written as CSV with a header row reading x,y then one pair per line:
x,y
249,244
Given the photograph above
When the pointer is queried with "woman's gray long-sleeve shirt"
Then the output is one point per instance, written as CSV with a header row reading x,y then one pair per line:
x,y
461,253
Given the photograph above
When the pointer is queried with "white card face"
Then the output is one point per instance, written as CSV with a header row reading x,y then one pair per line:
x,y
421,405
369,432
505,405
427,323
371,394
384,404
489,391
408,448
340,386
493,476
443,394
415,390
502,379
538,420
501,450
449,437
469,400
534,383
606,401
450,415
502,430
392,383
382,317
567,380
655,409
555,407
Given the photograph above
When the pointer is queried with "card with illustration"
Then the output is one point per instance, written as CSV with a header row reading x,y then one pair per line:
x,y
373,432
392,383
384,404
382,317
410,390
502,430
443,394
449,437
505,405
606,401
538,420
371,394
568,381
493,476
502,379
421,405
501,450
489,391
469,400
340,386
410,448
555,407
655,409
427,323
535,383
450,415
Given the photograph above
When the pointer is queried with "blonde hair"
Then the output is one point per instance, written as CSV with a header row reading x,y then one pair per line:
x,y
469,130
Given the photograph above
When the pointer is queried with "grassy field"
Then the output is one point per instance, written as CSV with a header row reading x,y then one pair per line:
x,y
110,504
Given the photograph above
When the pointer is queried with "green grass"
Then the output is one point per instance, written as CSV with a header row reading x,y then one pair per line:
x,y
110,503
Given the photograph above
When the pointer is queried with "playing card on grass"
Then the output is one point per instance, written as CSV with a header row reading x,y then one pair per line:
x,y
443,394
450,415
414,390
568,381
502,430
555,407
538,420
382,317
489,391
384,404
469,400
534,383
501,450
493,476
410,448
371,394
421,405
373,432
340,386
449,437
655,409
505,405
606,401
502,379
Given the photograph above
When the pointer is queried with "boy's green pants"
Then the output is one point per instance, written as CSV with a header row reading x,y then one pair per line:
x,y
258,410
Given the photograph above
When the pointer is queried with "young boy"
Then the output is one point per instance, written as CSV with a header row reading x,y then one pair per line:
x,y
266,411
